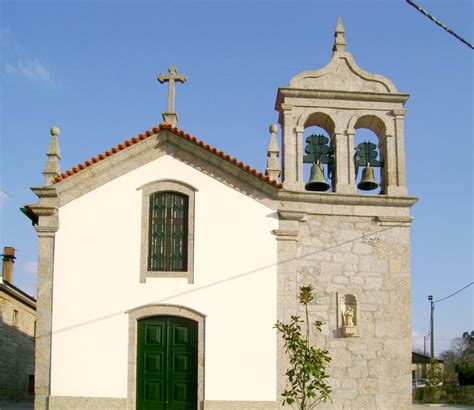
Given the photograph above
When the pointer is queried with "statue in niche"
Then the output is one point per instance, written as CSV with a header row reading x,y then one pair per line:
x,y
349,318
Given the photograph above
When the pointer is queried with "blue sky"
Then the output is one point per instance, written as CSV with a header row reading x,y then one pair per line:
x,y
90,68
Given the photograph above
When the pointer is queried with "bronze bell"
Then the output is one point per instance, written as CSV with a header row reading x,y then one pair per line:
x,y
317,181
367,182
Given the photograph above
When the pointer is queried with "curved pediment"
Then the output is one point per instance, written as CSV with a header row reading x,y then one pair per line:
x,y
342,74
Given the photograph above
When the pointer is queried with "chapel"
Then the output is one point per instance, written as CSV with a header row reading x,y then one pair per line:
x,y
189,320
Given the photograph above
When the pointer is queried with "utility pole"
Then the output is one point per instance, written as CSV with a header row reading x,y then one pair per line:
x,y
424,345
430,298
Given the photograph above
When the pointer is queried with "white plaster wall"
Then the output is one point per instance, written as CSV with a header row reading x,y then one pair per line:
x,y
96,280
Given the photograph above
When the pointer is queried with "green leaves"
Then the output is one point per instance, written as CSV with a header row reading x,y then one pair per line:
x,y
435,377
306,295
306,376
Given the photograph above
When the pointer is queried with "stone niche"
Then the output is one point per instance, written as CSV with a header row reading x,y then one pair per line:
x,y
348,314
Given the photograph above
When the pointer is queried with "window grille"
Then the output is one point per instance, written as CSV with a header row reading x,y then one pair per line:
x,y
168,232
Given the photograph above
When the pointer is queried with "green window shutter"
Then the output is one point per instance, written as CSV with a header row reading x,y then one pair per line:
x,y
168,232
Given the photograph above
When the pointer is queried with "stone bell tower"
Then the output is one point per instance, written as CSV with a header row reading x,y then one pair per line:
x,y
341,98
352,248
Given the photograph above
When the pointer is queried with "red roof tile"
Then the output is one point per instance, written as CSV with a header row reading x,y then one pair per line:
x,y
178,132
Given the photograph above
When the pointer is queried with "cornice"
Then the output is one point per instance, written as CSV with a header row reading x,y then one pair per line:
x,y
333,198
291,215
394,220
41,210
399,98
45,191
286,234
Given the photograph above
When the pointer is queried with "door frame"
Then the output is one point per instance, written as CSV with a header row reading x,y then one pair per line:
x,y
151,310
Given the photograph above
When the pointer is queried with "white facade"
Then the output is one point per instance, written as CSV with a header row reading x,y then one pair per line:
x,y
96,281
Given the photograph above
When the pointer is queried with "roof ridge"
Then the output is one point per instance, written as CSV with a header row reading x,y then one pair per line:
x,y
155,130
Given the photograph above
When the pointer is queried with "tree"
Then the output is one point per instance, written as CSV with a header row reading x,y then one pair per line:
x,y
307,375
435,377
458,361
450,358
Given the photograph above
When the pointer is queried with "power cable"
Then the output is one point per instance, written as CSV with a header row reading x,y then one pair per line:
x,y
455,293
439,23
447,297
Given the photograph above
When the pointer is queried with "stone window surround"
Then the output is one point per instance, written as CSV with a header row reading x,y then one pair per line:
x,y
151,310
147,190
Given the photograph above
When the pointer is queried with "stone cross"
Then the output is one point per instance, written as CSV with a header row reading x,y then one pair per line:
x,y
172,77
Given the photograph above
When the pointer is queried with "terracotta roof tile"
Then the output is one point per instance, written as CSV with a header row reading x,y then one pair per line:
x,y
178,132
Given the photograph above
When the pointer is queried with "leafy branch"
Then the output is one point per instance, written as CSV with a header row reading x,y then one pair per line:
x,y
307,377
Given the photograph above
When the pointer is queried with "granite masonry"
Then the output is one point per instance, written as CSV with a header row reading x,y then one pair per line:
x,y
354,248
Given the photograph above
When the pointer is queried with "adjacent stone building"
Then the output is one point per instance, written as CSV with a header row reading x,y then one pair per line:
x,y
186,257
17,332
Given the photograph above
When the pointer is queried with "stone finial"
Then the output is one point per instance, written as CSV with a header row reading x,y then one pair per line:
x,y
170,116
339,38
51,167
273,164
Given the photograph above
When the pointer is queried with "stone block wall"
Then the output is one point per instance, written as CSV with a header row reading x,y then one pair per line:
x,y
17,348
343,254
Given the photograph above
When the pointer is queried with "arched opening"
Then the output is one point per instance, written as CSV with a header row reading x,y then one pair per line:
x,y
370,132
185,328
318,156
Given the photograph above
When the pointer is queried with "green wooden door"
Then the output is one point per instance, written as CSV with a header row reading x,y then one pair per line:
x,y
167,364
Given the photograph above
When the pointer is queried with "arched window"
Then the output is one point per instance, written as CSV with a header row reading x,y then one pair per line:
x,y
167,234
318,149
167,239
370,133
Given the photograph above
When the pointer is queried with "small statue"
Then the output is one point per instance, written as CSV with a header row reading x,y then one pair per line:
x,y
349,317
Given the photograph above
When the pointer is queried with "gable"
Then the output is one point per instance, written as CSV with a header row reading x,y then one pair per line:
x,y
147,147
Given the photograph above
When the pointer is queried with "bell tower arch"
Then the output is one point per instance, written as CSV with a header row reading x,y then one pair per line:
x,y
341,98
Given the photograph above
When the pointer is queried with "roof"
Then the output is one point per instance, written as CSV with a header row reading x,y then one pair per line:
x,y
176,131
17,293
422,358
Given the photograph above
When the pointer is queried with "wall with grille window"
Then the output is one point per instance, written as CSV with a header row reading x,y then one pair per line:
x,y
97,267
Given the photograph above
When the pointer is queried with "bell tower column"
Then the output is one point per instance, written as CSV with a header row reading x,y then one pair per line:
x,y
400,149
291,173
299,154
344,146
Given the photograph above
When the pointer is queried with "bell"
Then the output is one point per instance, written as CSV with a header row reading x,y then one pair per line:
x,y
367,182
317,181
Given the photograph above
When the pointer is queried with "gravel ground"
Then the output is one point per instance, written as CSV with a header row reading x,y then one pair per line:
x,y
441,406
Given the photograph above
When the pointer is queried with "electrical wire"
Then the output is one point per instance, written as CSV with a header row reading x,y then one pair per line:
x,y
447,297
455,293
439,23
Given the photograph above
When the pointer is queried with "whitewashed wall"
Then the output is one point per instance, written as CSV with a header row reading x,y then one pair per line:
x,y
96,280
